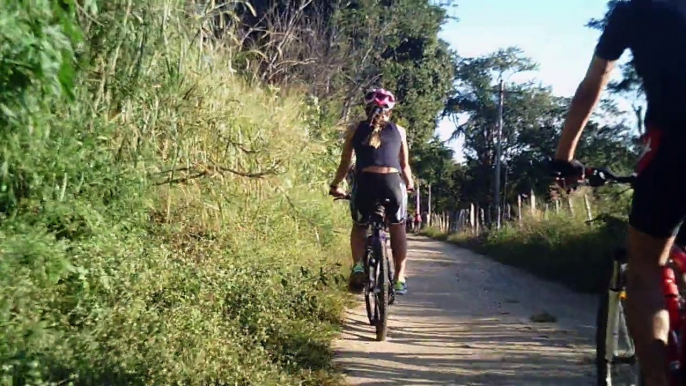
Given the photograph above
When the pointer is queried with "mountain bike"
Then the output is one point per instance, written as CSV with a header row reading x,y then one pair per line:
x,y
379,291
614,345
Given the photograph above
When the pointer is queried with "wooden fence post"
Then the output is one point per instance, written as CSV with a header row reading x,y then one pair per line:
x,y
545,212
472,217
570,202
588,208
476,218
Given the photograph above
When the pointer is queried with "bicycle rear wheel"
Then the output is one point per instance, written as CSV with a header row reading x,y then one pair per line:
x,y
616,362
382,290
370,268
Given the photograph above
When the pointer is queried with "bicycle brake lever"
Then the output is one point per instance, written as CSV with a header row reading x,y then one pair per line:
x,y
597,178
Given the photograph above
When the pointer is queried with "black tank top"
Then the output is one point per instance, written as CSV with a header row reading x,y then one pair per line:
x,y
655,32
388,154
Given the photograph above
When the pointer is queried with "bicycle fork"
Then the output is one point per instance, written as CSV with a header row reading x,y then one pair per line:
x,y
616,294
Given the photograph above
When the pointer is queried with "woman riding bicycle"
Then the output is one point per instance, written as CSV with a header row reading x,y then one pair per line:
x,y
382,172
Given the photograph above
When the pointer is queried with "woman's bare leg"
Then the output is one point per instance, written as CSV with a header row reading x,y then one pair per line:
x,y
399,247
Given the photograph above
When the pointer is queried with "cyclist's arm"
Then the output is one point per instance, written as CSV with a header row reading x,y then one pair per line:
x,y
611,45
583,103
346,157
405,158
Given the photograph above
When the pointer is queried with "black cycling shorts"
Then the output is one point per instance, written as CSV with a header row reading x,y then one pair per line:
x,y
372,188
659,202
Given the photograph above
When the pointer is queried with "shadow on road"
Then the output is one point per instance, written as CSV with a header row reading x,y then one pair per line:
x,y
466,322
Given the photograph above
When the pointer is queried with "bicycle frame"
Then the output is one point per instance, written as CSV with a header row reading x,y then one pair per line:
x,y
675,307
377,231
676,358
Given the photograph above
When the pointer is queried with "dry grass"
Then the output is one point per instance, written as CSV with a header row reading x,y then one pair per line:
x,y
556,246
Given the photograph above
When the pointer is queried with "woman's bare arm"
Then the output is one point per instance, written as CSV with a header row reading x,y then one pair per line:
x,y
346,157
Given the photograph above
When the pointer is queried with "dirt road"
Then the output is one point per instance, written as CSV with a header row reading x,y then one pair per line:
x,y
467,321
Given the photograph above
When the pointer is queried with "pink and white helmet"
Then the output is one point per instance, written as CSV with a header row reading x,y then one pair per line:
x,y
381,98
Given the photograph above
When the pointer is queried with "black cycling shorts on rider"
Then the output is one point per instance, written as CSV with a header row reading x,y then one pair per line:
x,y
370,188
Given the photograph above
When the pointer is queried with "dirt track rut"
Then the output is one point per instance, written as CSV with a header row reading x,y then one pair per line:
x,y
467,321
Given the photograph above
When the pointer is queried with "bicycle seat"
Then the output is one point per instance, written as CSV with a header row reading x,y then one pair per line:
x,y
380,209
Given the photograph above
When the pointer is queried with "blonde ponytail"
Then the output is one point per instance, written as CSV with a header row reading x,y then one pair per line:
x,y
374,139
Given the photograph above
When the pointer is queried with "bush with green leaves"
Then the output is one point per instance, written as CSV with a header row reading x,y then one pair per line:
x,y
161,220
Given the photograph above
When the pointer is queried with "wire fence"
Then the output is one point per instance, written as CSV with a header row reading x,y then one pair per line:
x,y
476,219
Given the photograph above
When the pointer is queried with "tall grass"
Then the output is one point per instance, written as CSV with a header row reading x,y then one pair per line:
x,y
167,223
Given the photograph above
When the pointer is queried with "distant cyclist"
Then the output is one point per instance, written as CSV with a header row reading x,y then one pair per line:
x,y
382,171
655,33
417,222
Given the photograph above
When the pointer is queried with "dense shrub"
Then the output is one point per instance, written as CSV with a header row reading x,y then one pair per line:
x,y
161,221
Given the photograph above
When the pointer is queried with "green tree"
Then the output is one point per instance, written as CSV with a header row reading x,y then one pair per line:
x,y
477,99
434,165
338,49
532,119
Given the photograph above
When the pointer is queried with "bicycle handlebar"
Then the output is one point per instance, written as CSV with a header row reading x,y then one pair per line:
x,y
600,176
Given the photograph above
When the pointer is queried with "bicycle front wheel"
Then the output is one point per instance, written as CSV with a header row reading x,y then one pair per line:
x,y
615,351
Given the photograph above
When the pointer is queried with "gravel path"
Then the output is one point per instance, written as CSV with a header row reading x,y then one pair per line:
x,y
467,321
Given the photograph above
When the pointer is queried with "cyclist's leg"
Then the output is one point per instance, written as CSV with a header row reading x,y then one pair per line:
x,y
658,209
397,214
647,317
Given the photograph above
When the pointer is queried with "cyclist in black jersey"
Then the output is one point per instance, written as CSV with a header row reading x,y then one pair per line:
x,y
655,33
382,171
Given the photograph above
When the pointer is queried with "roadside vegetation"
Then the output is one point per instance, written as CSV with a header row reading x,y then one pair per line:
x,y
162,219
163,176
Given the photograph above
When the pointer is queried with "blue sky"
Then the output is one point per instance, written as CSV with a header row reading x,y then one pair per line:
x,y
551,32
